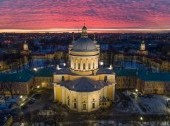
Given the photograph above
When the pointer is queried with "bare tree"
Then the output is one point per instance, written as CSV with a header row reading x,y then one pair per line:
x,y
7,87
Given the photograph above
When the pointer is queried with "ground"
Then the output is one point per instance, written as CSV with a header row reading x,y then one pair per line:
x,y
39,108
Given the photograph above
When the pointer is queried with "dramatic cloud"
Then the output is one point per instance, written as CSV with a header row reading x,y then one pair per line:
x,y
43,14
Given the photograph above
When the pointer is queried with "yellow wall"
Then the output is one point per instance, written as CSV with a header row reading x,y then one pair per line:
x,y
58,93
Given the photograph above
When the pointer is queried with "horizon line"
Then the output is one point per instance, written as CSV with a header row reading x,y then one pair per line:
x,y
90,30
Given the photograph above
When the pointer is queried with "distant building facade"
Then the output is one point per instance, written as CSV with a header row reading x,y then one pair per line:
x,y
145,82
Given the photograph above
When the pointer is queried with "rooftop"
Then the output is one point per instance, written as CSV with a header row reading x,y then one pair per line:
x,y
144,75
15,77
84,84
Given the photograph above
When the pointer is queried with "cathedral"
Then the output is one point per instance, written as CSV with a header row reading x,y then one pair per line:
x,y
84,86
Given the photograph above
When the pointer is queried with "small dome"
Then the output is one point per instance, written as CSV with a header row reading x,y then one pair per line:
x,y
84,28
84,44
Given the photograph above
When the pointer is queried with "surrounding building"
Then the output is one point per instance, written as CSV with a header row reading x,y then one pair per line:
x,y
84,87
24,81
143,81
143,49
15,83
25,50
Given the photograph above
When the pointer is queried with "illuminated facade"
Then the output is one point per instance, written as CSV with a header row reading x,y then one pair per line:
x,y
143,49
84,87
25,50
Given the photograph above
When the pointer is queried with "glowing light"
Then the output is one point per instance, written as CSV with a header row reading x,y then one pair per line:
x,y
35,69
58,68
70,30
111,67
101,63
141,118
136,90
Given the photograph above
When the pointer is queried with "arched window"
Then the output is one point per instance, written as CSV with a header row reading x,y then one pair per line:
x,y
75,105
84,106
93,105
105,78
84,66
78,65
62,78
89,66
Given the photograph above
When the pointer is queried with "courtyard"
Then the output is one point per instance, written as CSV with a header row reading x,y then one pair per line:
x,y
39,109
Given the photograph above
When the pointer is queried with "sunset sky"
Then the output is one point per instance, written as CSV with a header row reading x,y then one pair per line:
x,y
71,14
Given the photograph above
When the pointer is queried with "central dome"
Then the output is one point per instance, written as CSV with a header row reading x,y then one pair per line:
x,y
84,44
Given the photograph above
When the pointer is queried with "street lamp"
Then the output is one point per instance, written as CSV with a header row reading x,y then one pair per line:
x,y
136,90
21,97
58,68
141,118
22,124
101,63
111,67
64,64
38,86
35,69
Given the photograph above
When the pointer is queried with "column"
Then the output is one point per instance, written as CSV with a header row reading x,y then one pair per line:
x,y
72,63
91,64
86,64
95,63
76,64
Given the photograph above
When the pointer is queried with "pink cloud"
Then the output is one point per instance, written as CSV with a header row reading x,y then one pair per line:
x,y
40,14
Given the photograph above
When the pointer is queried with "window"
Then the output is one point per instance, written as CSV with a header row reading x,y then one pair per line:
x,y
68,102
84,106
84,66
105,78
78,65
93,105
62,78
75,105
89,65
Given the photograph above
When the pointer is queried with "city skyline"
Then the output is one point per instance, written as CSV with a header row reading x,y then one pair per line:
x,y
68,15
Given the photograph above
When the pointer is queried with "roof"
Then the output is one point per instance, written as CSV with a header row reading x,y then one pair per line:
x,y
45,72
63,71
144,75
105,71
15,77
84,84
159,76
84,45
25,75
125,72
